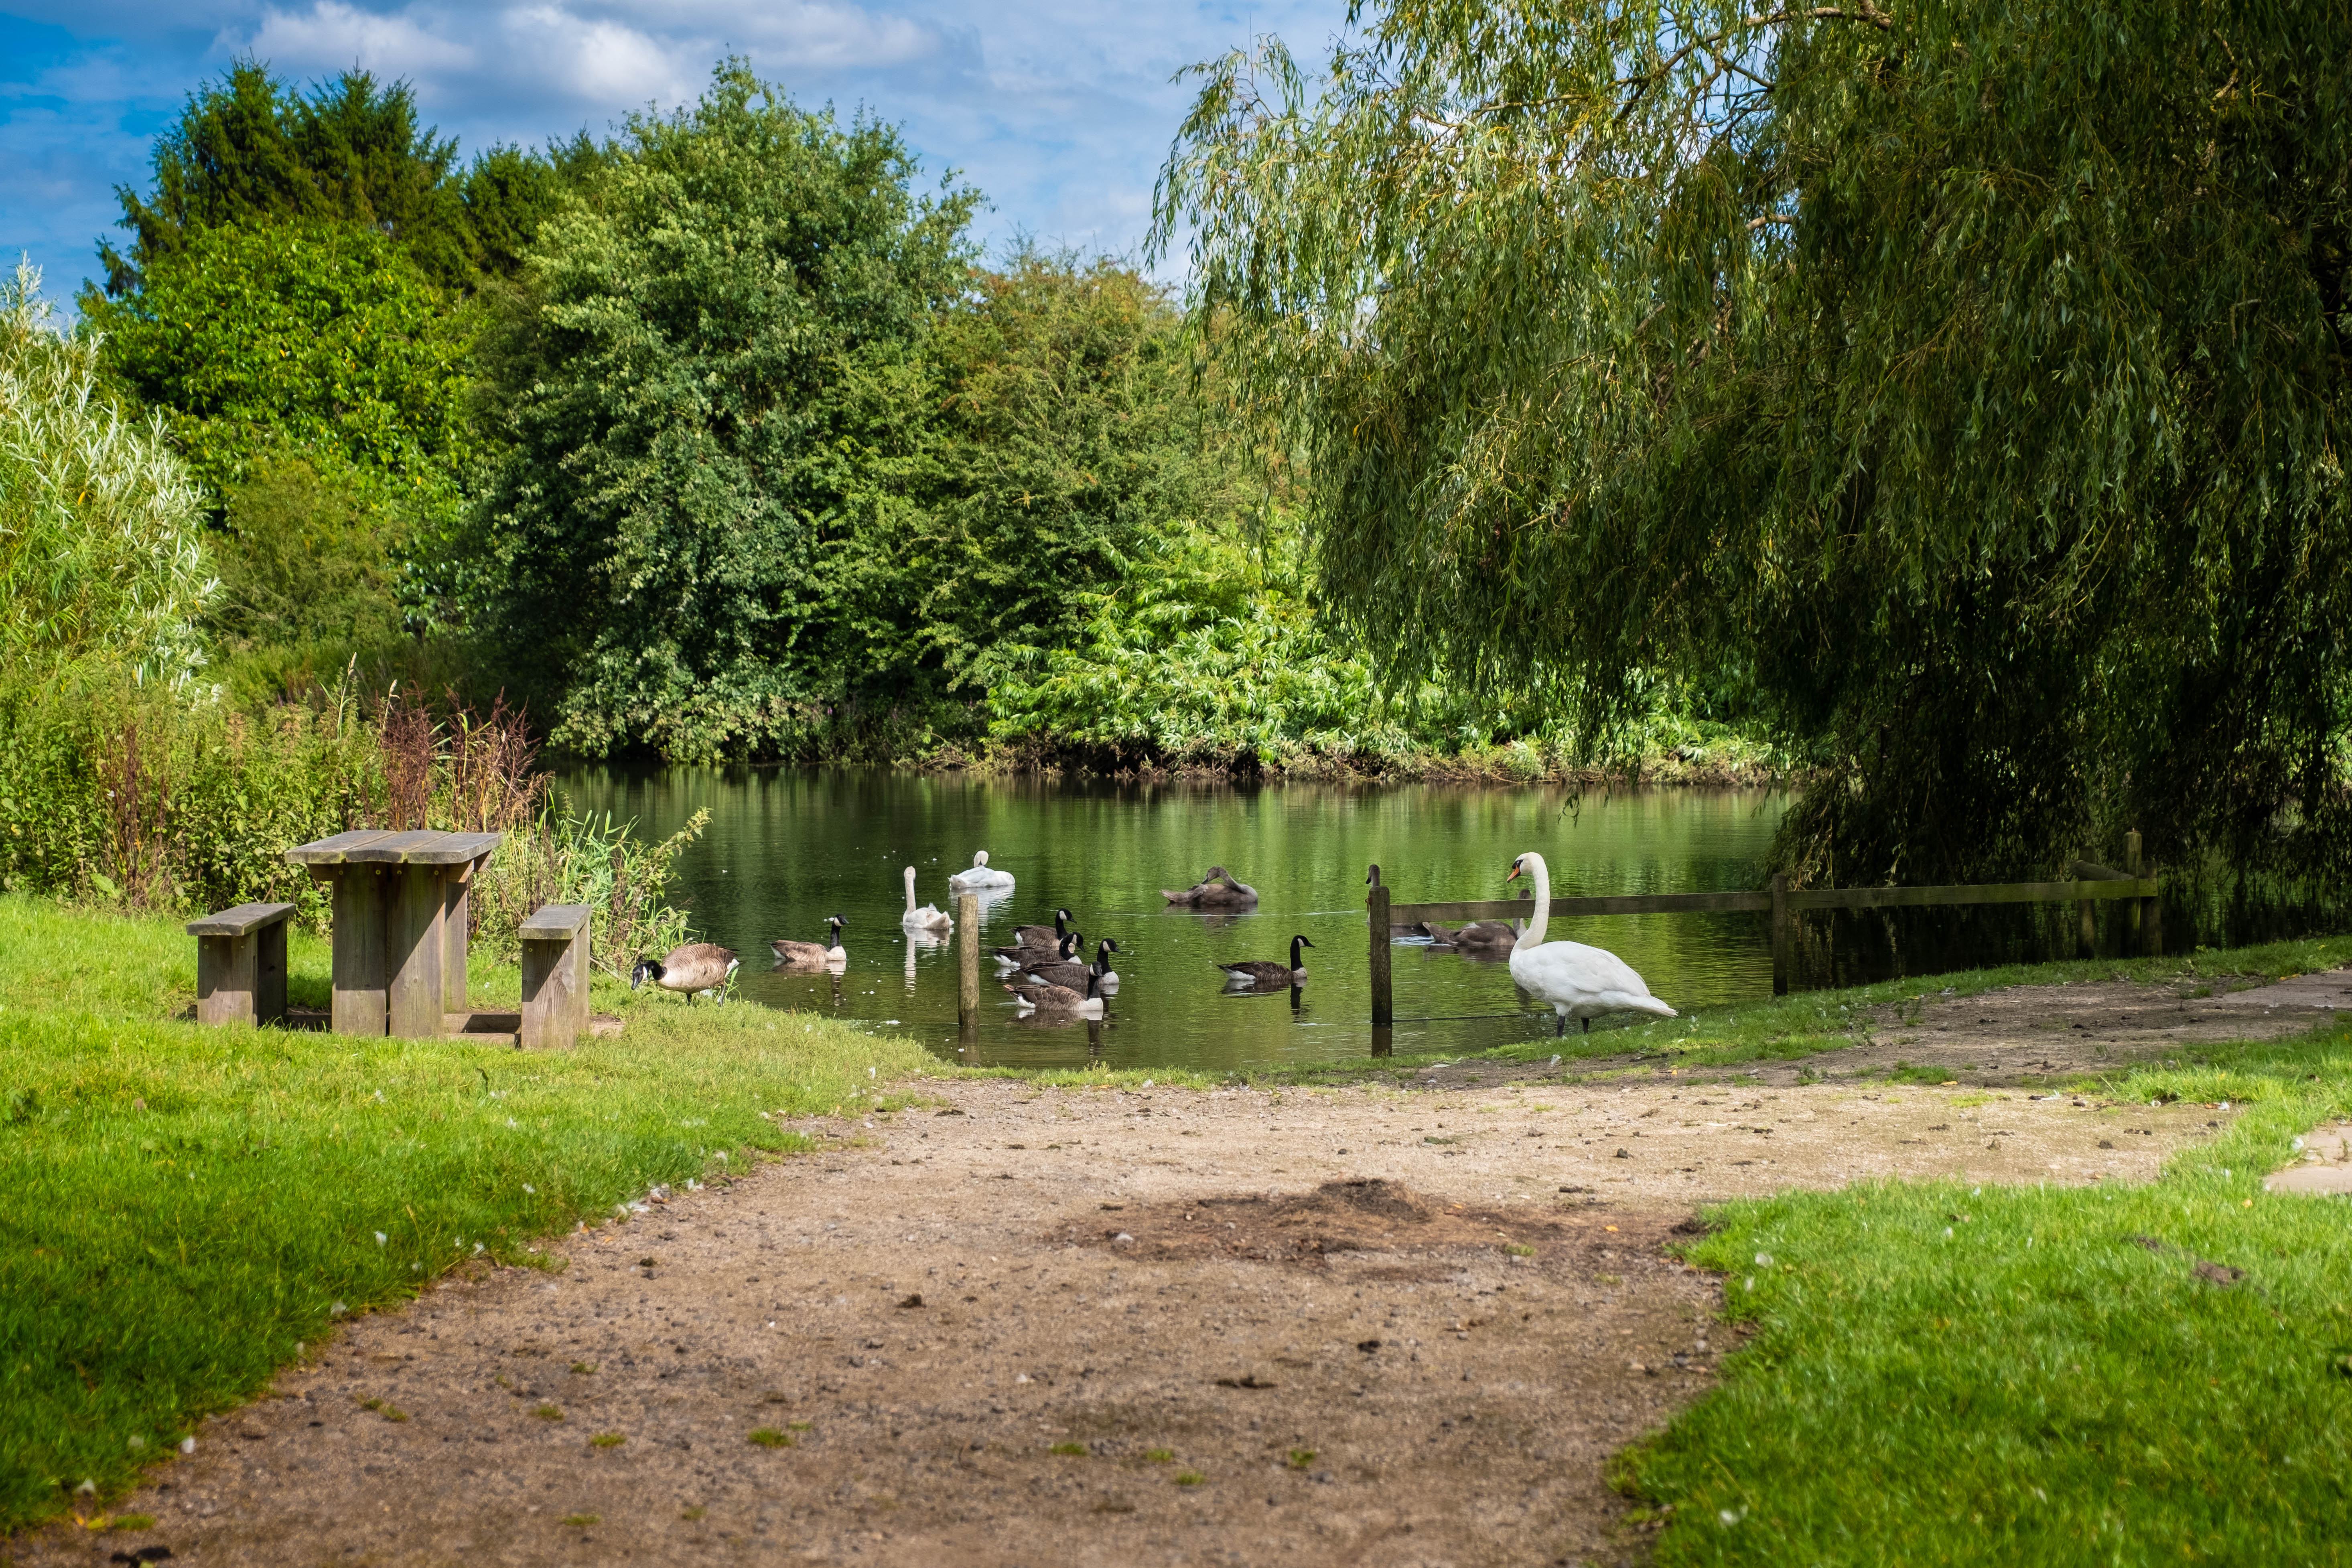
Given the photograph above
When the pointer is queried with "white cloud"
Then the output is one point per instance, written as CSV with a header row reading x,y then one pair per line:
x,y
333,37
810,36
598,62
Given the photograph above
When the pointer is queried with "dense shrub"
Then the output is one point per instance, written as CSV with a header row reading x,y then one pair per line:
x,y
151,800
113,791
100,553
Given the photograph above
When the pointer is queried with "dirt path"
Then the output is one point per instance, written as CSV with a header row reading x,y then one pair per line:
x,y
2020,1035
1368,1326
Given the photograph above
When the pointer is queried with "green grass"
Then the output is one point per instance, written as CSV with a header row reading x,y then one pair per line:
x,y
189,1207
1788,1028
1951,1374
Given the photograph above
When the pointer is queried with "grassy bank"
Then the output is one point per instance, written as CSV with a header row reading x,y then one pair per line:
x,y
1789,1028
188,1208
1950,1373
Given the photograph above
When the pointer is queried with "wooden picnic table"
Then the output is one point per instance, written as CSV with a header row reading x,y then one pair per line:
x,y
399,916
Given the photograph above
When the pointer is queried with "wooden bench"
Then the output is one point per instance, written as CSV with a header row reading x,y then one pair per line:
x,y
554,977
241,964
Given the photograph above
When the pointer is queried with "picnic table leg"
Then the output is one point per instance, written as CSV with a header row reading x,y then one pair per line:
x,y
359,988
413,953
269,973
455,917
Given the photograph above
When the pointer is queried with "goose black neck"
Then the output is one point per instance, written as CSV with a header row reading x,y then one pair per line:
x,y
1296,943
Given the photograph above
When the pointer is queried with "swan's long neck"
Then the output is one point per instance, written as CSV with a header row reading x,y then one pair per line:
x,y
910,889
1541,874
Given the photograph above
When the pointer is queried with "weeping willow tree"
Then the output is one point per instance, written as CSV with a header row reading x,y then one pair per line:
x,y
1963,386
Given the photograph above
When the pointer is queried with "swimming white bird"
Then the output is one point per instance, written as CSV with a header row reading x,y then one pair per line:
x,y
1579,982
929,917
981,878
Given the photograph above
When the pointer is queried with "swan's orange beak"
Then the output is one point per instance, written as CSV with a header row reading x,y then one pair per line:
x,y
1515,872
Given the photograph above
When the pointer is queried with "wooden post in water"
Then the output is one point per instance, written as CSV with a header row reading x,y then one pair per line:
x,y
968,966
1376,907
1780,934
2086,941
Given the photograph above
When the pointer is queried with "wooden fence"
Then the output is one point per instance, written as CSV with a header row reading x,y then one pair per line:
x,y
2094,884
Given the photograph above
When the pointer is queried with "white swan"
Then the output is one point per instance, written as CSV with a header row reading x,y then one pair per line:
x,y
1579,982
929,917
980,878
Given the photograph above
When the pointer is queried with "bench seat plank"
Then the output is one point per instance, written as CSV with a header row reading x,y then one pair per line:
x,y
242,921
554,922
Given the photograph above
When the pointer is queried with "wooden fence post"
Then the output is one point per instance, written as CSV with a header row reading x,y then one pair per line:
x,y
2147,914
1780,934
2138,915
1376,909
968,966
2086,941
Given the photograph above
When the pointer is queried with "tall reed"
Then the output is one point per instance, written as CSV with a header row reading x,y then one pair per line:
x,y
119,791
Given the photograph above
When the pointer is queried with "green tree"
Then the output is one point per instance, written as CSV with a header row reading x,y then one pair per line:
x,y
100,547
308,559
711,394
1066,435
251,150
1965,386
508,192
324,337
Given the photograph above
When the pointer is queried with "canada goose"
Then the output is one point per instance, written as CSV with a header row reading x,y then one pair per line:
x,y
1579,982
1044,936
1485,936
1216,890
1060,998
981,878
1070,944
698,966
1070,973
929,917
1264,974
830,953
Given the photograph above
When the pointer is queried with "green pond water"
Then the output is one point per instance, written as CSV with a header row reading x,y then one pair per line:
x,y
787,847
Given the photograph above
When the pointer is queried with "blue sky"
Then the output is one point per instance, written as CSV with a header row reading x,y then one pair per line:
x,y
1060,111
